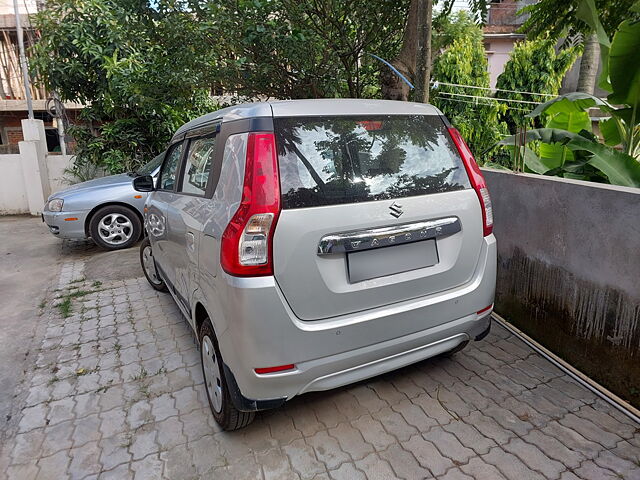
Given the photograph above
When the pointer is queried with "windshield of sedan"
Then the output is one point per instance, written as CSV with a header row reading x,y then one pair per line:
x,y
150,167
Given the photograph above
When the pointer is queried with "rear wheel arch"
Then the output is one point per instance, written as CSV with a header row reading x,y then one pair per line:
x,y
200,314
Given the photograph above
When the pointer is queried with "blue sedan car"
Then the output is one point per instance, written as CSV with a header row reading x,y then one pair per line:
x,y
108,210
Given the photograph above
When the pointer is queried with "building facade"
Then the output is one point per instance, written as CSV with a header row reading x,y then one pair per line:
x,y
13,103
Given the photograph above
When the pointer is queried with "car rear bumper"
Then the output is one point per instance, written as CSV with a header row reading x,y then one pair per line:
x,y
66,224
260,330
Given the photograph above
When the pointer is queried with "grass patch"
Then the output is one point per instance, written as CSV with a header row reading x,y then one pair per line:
x,y
65,307
79,293
141,374
144,391
78,280
96,284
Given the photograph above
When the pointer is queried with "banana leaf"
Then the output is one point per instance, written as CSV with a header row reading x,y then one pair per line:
x,y
624,65
581,102
620,168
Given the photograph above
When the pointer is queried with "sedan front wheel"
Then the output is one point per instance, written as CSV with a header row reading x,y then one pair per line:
x,y
115,227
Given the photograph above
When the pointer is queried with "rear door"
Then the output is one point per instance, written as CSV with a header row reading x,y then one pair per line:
x,y
187,211
375,210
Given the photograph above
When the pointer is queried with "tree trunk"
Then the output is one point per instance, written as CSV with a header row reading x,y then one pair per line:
x,y
589,65
423,52
392,86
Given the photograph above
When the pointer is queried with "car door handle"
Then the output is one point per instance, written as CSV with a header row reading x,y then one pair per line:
x,y
191,241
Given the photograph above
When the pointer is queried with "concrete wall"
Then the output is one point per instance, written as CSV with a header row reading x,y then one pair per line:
x,y
569,271
28,178
13,197
56,164
13,190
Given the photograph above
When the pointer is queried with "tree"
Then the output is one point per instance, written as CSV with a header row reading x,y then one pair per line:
x,y
423,53
533,66
557,18
589,65
465,63
446,27
292,49
141,72
392,86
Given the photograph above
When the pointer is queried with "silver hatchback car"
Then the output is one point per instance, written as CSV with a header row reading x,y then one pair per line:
x,y
315,243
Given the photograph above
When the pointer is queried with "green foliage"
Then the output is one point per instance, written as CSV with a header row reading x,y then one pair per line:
x,y
619,168
563,115
292,49
567,146
556,18
464,63
448,28
141,71
534,66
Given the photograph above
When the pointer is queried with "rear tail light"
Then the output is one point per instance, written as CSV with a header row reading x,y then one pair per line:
x,y
477,180
247,242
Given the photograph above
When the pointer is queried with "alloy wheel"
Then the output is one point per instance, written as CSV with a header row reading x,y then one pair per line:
x,y
115,229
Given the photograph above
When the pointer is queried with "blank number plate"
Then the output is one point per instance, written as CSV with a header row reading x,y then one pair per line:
x,y
380,262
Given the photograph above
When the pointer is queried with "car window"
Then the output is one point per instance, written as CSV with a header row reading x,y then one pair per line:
x,y
198,165
346,159
150,167
169,168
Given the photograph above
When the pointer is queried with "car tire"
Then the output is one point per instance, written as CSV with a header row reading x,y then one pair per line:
x,y
148,265
222,407
115,227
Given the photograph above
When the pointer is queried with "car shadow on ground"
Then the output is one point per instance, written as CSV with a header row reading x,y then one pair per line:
x,y
102,265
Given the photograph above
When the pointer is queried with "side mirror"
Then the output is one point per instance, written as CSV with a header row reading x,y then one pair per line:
x,y
144,183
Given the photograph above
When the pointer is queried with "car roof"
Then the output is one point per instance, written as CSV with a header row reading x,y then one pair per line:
x,y
311,107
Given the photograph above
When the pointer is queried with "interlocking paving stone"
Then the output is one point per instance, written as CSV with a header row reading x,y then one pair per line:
x,y
116,392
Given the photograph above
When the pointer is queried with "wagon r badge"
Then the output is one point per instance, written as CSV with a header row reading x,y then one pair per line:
x,y
396,210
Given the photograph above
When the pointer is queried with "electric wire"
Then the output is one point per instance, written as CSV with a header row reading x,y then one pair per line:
x,y
479,103
435,83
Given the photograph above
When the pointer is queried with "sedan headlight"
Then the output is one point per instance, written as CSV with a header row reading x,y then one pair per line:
x,y
55,205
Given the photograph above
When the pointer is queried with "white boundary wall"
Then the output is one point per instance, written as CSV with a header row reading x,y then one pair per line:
x,y
28,178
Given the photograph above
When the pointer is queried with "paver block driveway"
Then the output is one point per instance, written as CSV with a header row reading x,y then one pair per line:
x,y
116,392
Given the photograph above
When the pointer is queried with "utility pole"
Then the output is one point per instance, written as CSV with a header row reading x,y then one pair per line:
x,y
423,51
23,61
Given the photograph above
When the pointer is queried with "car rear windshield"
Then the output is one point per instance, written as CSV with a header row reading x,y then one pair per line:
x,y
348,159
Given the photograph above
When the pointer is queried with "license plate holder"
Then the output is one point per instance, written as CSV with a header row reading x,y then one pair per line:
x,y
380,262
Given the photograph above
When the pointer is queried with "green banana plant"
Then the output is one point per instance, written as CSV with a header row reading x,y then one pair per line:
x,y
620,168
566,146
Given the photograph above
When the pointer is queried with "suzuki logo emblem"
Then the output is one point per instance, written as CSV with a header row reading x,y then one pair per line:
x,y
396,210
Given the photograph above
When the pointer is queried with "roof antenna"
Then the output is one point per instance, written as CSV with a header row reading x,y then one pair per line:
x,y
395,70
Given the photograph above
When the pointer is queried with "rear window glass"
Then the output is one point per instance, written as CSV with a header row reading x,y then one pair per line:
x,y
347,159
